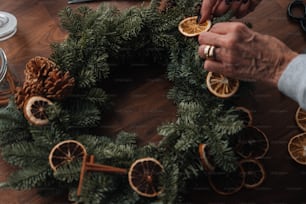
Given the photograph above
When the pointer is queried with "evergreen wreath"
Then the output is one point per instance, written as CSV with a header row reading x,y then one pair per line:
x,y
97,40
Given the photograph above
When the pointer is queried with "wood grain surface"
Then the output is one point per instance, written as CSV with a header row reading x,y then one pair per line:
x,y
141,104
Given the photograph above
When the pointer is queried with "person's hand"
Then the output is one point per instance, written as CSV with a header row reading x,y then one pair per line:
x,y
240,8
244,54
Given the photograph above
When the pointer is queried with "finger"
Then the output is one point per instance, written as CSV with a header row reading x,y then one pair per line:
x,y
222,7
253,4
225,27
244,9
210,38
235,5
206,51
201,51
207,9
214,66
209,52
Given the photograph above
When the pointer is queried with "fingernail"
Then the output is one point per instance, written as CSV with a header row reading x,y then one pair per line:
x,y
199,18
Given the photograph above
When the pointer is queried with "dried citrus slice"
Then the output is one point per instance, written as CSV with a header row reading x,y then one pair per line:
x,y
225,183
190,28
251,143
254,173
35,110
245,115
205,158
297,148
300,118
66,152
221,86
144,175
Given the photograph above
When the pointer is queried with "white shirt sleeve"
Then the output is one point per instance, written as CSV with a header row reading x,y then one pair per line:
x,y
293,80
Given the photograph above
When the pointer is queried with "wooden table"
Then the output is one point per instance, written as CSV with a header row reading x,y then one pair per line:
x,y
142,105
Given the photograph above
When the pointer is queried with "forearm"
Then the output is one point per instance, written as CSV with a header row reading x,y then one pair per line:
x,y
293,80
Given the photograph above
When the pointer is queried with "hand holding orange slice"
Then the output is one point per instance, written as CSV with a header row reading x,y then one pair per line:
x,y
190,28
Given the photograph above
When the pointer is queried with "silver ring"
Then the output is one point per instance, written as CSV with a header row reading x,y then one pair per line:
x,y
211,53
206,51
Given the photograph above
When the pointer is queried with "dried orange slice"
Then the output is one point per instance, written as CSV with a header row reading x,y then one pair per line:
x,y
144,177
225,183
190,28
297,148
205,158
300,118
66,152
221,86
251,143
245,115
254,173
35,110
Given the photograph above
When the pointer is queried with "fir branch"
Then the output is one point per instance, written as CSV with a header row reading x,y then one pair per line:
x,y
48,136
13,126
25,154
69,172
116,155
83,114
30,177
124,138
96,188
171,182
93,142
130,23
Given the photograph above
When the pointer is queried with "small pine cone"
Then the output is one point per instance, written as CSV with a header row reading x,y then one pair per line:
x,y
38,68
58,85
28,90
33,88
42,78
19,97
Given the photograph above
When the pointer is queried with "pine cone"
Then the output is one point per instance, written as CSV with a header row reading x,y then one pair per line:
x,y
38,68
58,85
19,97
42,78
28,90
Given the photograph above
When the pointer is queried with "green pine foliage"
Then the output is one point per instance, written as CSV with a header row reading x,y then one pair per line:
x,y
13,126
25,154
69,173
100,40
29,177
171,182
98,186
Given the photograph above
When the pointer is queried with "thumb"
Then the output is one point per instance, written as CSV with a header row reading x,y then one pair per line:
x,y
206,10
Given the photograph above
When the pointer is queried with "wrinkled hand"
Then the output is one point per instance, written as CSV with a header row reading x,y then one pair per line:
x,y
244,54
239,8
